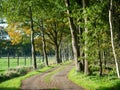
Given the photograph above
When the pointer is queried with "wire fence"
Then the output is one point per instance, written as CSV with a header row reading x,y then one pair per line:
x,y
13,62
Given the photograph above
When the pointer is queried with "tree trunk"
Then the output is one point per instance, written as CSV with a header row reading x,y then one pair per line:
x,y
25,60
112,40
74,36
80,50
57,55
86,69
44,50
62,52
18,59
8,60
104,59
31,60
70,52
44,45
100,61
32,40
42,57
99,57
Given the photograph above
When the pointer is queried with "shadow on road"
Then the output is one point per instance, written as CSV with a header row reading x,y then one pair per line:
x,y
10,88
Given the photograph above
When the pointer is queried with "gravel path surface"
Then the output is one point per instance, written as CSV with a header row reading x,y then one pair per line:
x,y
58,81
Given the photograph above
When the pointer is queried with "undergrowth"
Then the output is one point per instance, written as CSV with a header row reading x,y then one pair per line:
x,y
94,82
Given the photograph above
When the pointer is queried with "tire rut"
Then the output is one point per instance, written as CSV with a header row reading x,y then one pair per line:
x,y
58,81
62,82
37,82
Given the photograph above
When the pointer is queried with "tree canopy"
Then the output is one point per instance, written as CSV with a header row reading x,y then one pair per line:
x,y
50,22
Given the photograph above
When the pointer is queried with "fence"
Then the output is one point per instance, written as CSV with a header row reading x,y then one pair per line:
x,y
12,62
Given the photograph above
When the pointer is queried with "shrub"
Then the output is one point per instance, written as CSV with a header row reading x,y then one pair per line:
x,y
112,73
22,71
94,68
41,65
3,78
14,72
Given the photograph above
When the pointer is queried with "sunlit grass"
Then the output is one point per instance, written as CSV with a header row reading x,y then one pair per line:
x,y
94,82
16,82
13,62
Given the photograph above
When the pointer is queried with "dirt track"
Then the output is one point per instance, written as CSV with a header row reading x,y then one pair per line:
x,y
58,80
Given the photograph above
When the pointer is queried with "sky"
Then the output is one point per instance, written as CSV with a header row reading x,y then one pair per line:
x,y
4,25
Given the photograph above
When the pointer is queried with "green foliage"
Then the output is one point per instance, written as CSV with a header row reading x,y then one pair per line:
x,y
11,74
94,82
15,72
54,16
94,68
24,70
41,65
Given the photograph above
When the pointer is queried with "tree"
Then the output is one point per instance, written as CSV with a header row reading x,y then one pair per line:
x,y
112,39
43,41
21,13
86,42
54,30
73,35
32,38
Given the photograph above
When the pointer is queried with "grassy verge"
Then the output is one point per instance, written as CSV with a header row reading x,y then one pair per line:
x,y
14,84
94,82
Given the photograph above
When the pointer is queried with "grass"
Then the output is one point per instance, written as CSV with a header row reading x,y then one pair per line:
x,y
13,62
14,84
94,82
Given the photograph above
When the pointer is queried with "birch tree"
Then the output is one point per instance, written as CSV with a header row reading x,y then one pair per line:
x,y
112,38
86,71
73,35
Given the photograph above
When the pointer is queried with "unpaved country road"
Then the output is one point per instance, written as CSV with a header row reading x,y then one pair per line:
x,y
58,80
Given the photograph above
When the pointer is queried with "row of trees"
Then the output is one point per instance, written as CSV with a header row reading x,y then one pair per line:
x,y
92,26
30,23
96,22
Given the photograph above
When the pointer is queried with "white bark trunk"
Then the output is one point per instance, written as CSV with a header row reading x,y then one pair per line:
x,y
86,71
32,40
44,47
74,36
112,41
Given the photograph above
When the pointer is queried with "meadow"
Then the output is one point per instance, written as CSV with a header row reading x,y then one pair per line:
x,y
13,62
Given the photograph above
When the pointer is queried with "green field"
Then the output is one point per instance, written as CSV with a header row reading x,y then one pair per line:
x,y
13,62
